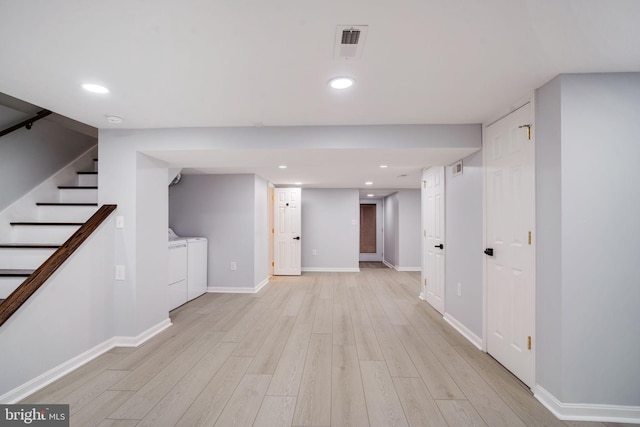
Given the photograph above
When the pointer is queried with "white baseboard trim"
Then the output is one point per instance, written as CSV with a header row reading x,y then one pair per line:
x,y
144,336
388,264
466,332
422,296
330,270
43,380
409,268
586,411
237,289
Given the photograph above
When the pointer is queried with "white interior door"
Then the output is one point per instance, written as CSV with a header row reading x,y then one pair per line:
x,y
288,219
433,237
510,186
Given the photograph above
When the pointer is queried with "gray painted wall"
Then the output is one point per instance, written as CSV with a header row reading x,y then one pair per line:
x,y
327,227
261,230
409,229
548,245
28,157
463,244
221,208
379,230
392,229
598,209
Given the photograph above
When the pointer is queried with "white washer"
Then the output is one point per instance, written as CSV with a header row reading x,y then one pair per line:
x,y
196,266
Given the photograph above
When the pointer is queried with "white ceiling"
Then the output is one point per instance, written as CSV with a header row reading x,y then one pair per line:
x,y
197,63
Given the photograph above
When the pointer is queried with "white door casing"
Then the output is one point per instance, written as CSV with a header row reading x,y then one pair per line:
x,y
287,236
433,237
510,219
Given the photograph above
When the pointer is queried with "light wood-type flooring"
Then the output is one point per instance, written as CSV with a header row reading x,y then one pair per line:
x,y
321,349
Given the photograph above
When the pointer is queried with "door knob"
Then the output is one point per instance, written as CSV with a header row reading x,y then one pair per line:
x,y
296,238
489,251
441,246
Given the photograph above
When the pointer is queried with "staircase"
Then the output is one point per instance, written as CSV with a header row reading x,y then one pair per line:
x,y
51,224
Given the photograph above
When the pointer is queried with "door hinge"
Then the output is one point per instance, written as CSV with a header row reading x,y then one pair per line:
x,y
273,264
425,283
528,126
273,231
273,197
425,233
529,237
424,184
528,343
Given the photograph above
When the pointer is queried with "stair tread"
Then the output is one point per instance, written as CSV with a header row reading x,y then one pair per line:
x,y
47,223
87,173
15,272
29,245
77,187
65,204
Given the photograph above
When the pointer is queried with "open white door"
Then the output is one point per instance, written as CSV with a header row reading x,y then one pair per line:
x,y
510,283
433,237
288,219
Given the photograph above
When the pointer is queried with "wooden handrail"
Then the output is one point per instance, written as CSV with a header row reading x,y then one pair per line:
x,y
40,276
26,123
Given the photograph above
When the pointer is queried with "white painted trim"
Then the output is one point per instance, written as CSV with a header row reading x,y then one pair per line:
x,y
409,268
466,332
237,289
388,264
144,336
331,270
587,411
53,374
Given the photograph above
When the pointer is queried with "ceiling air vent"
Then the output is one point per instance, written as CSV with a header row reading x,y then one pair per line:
x,y
350,41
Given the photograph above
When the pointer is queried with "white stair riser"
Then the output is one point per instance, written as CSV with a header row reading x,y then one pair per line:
x,y
9,284
65,213
78,196
29,259
42,233
87,180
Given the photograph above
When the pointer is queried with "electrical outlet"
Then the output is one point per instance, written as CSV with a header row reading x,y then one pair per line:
x,y
119,221
119,272
233,266
459,289
314,252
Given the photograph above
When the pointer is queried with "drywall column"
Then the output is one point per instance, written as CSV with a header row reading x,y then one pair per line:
x,y
409,230
392,229
138,185
587,289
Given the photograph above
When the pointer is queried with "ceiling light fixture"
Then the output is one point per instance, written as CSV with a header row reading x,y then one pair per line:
x,y
369,195
368,183
341,82
297,183
94,88
383,166
114,119
282,166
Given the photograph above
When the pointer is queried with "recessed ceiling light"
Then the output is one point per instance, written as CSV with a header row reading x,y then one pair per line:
x,y
341,82
297,183
384,166
369,195
114,119
282,166
95,88
368,183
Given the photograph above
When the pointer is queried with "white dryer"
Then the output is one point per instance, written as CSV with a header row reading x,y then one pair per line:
x,y
196,266
177,292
